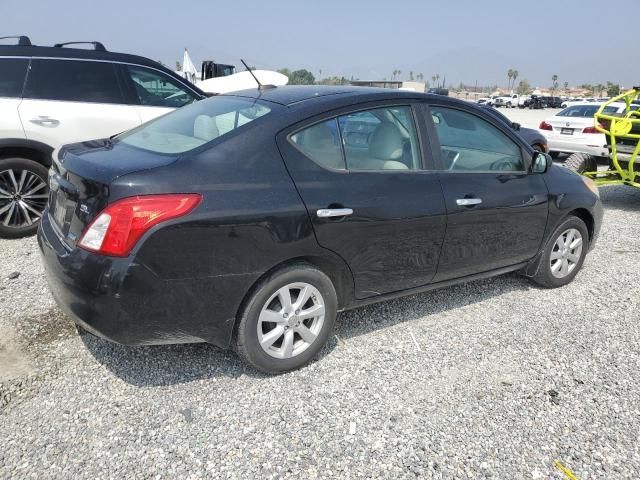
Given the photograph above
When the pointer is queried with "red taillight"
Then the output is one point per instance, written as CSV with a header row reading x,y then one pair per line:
x,y
119,226
591,130
545,126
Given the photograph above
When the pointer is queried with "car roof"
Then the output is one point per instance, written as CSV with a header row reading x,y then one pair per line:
x,y
289,95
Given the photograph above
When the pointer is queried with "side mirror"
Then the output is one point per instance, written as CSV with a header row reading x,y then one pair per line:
x,y
516,125
541,162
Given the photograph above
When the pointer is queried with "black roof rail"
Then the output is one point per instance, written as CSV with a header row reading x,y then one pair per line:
x,y
98,47
23,40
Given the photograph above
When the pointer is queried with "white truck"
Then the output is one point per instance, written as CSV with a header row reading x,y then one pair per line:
x,y
509,101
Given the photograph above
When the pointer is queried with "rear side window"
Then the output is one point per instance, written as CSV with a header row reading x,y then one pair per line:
x,y
372,140
321,143
194,125
585,111
73,80
155,89
12,73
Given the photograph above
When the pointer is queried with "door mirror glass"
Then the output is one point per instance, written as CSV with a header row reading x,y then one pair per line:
x,y
541,162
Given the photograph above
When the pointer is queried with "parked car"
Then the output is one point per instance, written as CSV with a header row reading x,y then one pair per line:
x,y
508,101
439,91
534,102
572,130
530,135
50,96
255,232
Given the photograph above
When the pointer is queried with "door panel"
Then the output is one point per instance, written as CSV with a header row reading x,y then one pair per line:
x,y
10,125
497,210
392,232
505,229
57,122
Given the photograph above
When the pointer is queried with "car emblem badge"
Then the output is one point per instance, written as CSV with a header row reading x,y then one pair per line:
x,y
567,124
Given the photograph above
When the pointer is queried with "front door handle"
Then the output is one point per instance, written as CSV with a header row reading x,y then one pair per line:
x,y
467,202
333,212
45,121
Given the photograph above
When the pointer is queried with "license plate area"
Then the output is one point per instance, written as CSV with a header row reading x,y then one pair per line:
x,y
566,131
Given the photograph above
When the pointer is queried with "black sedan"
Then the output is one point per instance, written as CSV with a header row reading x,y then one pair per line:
x,y
252,219
530,135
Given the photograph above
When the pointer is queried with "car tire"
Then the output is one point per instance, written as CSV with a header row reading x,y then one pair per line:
x,y
19,176
581,162
562,257
275,337
537,147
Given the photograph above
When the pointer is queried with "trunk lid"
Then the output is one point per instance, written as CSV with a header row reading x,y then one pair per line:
x,y
79,181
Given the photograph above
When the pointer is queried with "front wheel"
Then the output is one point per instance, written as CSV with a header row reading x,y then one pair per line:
x,y
287,319
23,196
563,254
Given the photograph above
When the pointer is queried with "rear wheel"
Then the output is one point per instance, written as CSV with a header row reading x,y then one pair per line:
x,y
287,319
581,162
563,254
23,196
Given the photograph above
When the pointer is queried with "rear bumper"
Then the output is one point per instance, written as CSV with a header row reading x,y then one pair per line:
x,y
123,301
595,144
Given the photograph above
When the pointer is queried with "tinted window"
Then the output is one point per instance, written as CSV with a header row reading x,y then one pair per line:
x,y
472,144
155,89
73,80
321,143
12,72
380,139
195,125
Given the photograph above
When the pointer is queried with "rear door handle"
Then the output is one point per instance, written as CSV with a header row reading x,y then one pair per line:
x,y
45,121
466,202
333,212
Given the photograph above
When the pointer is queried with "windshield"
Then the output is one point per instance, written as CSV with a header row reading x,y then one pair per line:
x,y
194,125
585,111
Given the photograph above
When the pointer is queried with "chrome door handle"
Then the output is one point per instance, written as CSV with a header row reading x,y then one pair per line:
x,y
333,212
466,202
45,121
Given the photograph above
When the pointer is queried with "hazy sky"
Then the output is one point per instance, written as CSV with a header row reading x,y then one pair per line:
x,y
464,40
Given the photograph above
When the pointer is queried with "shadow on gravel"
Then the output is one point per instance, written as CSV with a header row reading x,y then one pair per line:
x,y
621,198
176,364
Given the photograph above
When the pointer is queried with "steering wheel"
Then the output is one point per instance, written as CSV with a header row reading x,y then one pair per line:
x,y
504,164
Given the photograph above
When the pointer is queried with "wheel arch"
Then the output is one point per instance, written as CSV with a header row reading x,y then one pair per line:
x,y
584,215
30,149
334,268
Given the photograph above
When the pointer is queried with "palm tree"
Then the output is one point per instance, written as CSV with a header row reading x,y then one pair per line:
x,y
509,76
411,76
438,78
399,73
514,74
433,79
566,87
554,79
420,77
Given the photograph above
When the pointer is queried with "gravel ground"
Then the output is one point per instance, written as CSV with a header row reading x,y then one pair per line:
x,y
491,379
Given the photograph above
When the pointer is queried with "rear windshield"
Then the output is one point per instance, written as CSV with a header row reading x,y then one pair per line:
x,y
585,111
194,125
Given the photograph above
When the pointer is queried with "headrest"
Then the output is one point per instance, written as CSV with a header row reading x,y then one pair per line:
x,y
386,142
205,128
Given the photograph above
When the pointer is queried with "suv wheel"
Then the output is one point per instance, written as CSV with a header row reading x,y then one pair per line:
x,y
23,196
287,319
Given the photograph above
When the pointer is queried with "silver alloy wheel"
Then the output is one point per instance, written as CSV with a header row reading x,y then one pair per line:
x,y
291,320
566,253
23,198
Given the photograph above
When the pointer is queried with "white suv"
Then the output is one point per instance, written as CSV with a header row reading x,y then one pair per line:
x,y
51,96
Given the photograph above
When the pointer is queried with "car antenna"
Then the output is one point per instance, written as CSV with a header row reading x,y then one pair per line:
x,y
260,86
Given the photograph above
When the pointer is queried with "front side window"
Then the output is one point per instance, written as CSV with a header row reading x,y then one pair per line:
x,y
471,144
155,89
73,80
377,139
190,127
12,73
